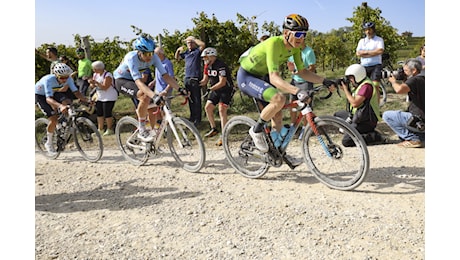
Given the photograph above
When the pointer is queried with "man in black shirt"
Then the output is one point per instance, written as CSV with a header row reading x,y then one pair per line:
x,y
412,133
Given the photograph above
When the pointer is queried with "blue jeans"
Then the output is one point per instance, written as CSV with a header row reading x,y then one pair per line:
x,y
397,120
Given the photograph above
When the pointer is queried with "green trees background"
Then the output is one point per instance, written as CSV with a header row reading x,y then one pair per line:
x,y
335,50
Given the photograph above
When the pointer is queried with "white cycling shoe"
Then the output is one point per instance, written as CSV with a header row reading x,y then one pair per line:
x,y
259,140
50,149
146,136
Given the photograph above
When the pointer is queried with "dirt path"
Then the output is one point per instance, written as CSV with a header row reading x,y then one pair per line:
x,y
113,210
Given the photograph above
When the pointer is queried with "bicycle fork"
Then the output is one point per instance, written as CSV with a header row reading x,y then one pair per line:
x,y
169,119
311,121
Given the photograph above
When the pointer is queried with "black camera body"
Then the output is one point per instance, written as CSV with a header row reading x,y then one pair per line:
x,y
416,124
342,80
398,74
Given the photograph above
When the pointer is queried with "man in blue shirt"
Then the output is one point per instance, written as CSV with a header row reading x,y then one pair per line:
x,y
192,57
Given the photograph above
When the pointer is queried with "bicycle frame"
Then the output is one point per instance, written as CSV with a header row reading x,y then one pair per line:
x,y
338,165
176,133
167,120
73,126
306,112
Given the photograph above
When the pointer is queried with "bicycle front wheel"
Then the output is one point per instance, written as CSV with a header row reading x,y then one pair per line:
x,y
88,140
240,150
41,125
335,165
187,147
133,149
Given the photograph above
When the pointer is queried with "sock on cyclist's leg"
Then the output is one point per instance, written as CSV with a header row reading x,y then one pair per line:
x,y
142,123
49,138
260,125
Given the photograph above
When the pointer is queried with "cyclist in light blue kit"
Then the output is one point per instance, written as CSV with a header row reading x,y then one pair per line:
x,y
52,92
128,80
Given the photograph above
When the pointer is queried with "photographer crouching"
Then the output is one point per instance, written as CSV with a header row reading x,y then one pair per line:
x,y
409,125
363,111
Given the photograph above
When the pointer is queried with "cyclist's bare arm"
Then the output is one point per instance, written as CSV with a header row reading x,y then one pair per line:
x,y
56,105
281,84
80,96
171,81
310,76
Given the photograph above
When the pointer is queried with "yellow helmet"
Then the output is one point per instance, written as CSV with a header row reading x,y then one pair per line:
x,y
295,22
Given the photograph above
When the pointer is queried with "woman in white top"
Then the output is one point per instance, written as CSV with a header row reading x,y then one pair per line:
x,y
106,95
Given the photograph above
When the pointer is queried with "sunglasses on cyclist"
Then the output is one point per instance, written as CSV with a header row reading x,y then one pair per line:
x,y
299,34
63,77
148,54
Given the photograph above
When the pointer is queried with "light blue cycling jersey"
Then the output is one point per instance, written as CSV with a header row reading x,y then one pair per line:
x,y
131,67
46,85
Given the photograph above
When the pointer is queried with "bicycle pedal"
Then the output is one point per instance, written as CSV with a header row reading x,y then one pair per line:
x,y
291,161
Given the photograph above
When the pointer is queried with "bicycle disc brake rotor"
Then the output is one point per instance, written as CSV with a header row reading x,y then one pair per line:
x,y
335,151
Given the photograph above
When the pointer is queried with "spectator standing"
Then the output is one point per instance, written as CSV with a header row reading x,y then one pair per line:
x,y
219,77
161,86
66,60
106,93
363,110
421,58
51,55
309,60
414,87
85,71
370,50
192,57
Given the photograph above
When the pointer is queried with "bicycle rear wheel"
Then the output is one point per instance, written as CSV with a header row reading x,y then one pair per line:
x,y
134,150
88,140
336,166
188,149
41,124
240,150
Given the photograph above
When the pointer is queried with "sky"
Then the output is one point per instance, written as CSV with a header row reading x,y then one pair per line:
x,y
103,18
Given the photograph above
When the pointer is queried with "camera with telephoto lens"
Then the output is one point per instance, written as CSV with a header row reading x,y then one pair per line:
x,y
416,124
398,74
344,80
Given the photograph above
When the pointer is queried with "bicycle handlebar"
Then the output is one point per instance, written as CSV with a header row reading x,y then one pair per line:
x,y
319,88
157,100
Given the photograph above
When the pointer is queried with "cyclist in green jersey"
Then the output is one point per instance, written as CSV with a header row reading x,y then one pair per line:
x,y
259,75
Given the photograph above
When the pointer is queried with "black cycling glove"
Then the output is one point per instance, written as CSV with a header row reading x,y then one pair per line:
x,y
328,83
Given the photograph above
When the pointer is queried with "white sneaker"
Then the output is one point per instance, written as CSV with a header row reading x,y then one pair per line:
x,y
50,149
259,140
146,135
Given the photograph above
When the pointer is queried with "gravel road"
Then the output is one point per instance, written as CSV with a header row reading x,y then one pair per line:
x,y
114,210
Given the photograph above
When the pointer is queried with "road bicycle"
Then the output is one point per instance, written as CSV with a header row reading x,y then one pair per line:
x,y
179,134
336,166
73,126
